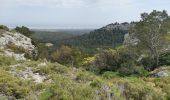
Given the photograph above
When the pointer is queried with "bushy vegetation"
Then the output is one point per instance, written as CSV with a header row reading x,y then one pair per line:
x,y
98,38
110,73
67,55
12,86
75,84
24,30
2,27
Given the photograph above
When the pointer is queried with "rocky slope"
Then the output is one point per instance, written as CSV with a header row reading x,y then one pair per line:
x,y
11,41
43,80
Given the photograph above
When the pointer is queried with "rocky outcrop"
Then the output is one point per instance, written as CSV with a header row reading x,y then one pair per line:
x,y
13,54
130,40
27,74
49,44
123,26
19,41
161,72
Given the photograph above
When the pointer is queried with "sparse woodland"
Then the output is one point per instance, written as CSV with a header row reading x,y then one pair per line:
x,y
93,66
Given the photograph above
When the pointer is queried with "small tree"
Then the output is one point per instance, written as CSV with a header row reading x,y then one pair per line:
x,y
151,31
24,30
4,27
67,55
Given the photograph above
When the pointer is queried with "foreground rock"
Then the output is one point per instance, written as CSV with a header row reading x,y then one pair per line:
x,y
27,74
161,72
15,40
13,54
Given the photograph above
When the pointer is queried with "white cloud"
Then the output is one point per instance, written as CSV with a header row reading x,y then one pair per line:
x,y
75,12
67,3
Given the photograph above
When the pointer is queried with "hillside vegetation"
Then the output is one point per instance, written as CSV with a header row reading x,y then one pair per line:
x,y
117,70
109,36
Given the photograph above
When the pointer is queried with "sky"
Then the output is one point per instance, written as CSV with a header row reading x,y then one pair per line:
x,y
75,13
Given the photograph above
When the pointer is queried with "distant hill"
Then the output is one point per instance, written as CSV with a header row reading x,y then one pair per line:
x,y
108,36
53,35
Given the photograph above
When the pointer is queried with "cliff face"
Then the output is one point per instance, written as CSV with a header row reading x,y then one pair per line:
x,y
12,41
130,40
122,26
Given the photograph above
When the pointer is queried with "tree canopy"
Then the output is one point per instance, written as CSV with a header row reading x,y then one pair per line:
x,y
24,30
151,31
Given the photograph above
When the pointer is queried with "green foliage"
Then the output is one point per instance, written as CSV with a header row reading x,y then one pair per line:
x,y
109,74
97,82
84,76
24,30
122,59
128,69
2,27
103,78
12,86
6,61
67,55
52,68
43,51
45,95
151,30
165,59
99,38
64,89
106,60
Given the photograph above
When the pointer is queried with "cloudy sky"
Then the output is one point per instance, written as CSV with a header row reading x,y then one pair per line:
x,y
74,13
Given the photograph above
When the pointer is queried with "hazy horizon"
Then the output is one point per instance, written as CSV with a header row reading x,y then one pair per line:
x,y
74,14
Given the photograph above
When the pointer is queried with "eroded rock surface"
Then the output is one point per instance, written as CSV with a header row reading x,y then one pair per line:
x,y
17,40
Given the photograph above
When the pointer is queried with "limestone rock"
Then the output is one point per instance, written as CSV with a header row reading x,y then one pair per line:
x,y
42,64
13,54
49,44
130,39
162,74
17,39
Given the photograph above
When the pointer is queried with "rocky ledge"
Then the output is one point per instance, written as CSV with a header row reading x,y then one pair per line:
x,y
16,39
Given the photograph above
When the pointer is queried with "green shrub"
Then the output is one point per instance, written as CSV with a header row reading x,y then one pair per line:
x,y
165,59
4,27
131,69
148,63
127,69
67,55
137,89
65,89
60,68
6,61
24,30
12,86
115,59
109,74
43,70
97,82
85,76
45,95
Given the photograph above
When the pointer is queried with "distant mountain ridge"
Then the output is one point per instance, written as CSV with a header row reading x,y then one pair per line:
x,y
121,26
110,35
